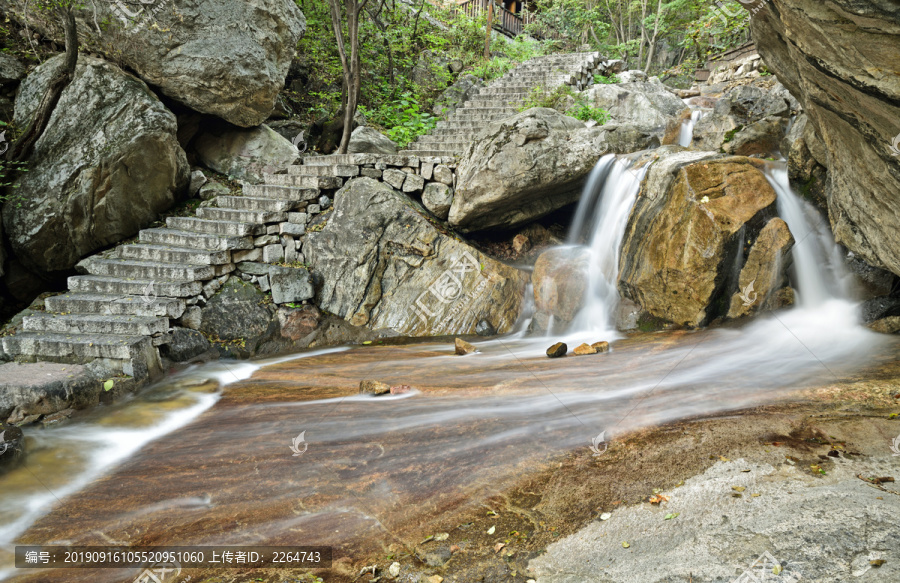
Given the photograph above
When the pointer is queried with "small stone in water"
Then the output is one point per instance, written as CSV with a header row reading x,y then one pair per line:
x,y
374,387
601,346
400,389
463,347
584,349
521,244
557,350
485,328
394,569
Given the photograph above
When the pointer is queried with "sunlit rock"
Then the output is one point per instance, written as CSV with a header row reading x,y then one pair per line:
x,y
560,281
557,350
763,274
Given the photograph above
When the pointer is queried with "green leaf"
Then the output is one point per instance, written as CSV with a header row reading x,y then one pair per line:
x,y
672,515
108,385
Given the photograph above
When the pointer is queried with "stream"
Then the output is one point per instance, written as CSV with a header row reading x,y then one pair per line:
x,y
204,457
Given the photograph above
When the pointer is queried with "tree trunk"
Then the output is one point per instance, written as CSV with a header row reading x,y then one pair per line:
x,y
490,28
23,146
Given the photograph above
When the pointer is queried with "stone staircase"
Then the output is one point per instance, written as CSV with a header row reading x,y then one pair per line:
x,y
503,97
123,305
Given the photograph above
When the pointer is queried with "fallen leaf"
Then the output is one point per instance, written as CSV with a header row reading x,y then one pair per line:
x,y
454,549
777,569
724,459
394,569
745,471
672,515
367,342
658,499
738,488
605,516
442,536
108,385
492,530
755,495
877,562
498,546
625,545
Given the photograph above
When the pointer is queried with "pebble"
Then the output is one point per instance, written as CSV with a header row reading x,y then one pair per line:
x,y
463,347
584,349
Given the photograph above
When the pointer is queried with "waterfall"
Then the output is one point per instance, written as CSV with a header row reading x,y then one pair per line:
x,y
819,272
687,129
601,219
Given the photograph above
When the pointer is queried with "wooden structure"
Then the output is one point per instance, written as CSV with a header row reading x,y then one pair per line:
x,y
510,16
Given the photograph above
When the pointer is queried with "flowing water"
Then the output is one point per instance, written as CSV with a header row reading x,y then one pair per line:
x,y
181,465
686,135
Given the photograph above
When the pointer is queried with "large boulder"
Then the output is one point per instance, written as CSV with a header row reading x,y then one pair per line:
x,y
366,140
526,166
560,282
228,58
747,120
687,232
244,154
815,49
383,264
644,104
106,166
807,157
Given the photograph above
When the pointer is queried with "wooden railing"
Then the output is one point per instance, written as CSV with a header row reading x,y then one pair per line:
x,y
507,22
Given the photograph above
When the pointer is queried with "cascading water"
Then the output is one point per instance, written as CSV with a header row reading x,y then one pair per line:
x,y
819,271
600,220
686,136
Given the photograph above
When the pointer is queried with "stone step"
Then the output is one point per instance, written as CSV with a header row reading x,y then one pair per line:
x,y
75,346
323,182
341,159
456,147
167,254
438,140
191,240
466,133
489,110
149,288
460,125
499,101
360,159
87,303
342,170
243,216
435,153
133,269
254,203
505,90
292,193
223,228
481,119
96,324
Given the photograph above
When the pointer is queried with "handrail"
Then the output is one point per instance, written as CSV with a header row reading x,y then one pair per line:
x,y
508,22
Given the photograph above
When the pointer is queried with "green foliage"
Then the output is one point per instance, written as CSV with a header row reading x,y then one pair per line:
x,y
586,112
604,80
565,100
558,99
402,118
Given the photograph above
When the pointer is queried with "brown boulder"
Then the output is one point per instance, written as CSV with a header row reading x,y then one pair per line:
x,y
602,346
685,233
764,272
371,387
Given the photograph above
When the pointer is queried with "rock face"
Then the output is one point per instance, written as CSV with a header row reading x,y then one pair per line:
x,y
559,281
106,166
762,277
228,58
384,265
12,446
686,232
746,120
523,167
366,140
236,318
815,50
244,154
647,105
